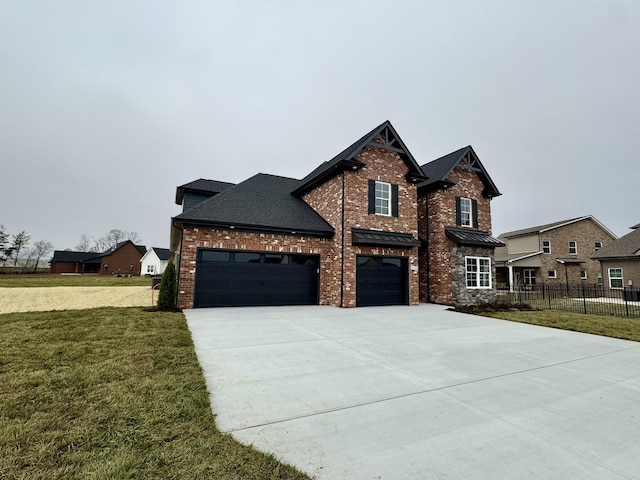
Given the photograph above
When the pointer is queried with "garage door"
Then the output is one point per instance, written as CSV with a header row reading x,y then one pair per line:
x,y
232,278
381,281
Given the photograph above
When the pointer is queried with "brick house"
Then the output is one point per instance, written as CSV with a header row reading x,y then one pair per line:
x,y
554,253
123,258
368,227
620,261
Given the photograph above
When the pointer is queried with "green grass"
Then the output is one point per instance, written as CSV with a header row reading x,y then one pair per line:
x,y
608,326
112,393
10,281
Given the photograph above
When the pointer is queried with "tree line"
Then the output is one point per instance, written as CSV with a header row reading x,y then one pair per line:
x,y
15,249
105,242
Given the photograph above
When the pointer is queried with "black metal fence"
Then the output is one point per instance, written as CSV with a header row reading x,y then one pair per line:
x,y
579,298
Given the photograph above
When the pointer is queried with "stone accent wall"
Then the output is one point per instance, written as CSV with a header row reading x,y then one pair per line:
x,y
438,211
460,294
199,237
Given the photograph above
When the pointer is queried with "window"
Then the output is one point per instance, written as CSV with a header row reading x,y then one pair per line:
x,y
553,274
151,268
529,276
546,246
615,278
478,272
573,247
465,212
598,246
214,256
247,257
276,258
105,267
383,198
583,274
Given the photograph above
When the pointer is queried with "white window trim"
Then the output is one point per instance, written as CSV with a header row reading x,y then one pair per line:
x,y
555,273
583,274
621,278
388,200
576,245
477,273
597,246
470,224
548,242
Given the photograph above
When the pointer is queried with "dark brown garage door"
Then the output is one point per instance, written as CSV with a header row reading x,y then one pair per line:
x,y
381,281
226,278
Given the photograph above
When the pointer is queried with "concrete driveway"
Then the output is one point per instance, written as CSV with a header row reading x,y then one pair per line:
x,y
421,393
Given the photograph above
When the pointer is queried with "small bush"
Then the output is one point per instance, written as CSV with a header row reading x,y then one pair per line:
x,y
168,296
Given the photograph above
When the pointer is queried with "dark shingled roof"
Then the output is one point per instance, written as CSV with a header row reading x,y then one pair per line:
x,y
474,238
202,185
163,253
627,246
72,257
438,170
346,160
141,248
262,202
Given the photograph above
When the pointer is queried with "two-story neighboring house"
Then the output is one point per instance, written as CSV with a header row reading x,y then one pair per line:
x,y
368,227
620,261
558,252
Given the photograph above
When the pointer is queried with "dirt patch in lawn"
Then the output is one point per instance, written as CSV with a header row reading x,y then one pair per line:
x,y
36,299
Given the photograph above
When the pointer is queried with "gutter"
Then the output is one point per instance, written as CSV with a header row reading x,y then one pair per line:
x,y
342,249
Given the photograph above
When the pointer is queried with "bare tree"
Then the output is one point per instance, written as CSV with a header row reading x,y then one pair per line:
x,y
20,242
84,245
5,247
113,238
40,249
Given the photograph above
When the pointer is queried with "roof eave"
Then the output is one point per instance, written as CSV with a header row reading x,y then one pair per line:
x,y
181,223
339,167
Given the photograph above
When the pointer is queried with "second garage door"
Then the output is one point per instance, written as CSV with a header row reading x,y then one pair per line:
x,y
381,281
232,278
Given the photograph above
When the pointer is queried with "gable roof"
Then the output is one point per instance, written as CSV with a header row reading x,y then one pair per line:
x,y
260,203
163,253
627,246
141,248
202,185
439,169
383,136
551,226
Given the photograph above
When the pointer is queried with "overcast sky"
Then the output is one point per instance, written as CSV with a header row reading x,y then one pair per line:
x,y
107,106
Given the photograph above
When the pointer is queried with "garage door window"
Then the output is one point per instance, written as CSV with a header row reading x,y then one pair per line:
x,y
214,256
247,257
391,262
276,259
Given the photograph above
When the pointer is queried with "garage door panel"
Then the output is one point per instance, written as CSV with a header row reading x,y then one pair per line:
x,y
381,281
246,279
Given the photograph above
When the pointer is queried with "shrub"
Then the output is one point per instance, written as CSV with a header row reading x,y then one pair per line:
x,y
168,296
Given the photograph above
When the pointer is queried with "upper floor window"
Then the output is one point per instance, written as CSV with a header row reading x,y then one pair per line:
x,y
583,274
383,198
573,247
466,212
546,246
598,246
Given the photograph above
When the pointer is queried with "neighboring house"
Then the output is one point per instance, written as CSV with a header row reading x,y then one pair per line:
x,y
123,258
155,260
368,227
558,252
620,261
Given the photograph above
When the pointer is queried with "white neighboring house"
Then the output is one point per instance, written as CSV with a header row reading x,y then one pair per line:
x,y
154,261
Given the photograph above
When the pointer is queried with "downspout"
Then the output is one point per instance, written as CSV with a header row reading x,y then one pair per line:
x,y
428,251
342,246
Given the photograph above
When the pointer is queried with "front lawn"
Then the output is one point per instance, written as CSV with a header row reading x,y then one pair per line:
x,y
112,393
608,326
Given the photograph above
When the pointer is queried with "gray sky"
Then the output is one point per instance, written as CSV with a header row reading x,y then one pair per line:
x,y
107,106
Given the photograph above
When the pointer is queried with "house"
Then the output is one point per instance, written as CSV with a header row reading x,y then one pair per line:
x,y
123,258
368,227
154,261
557,252
620,261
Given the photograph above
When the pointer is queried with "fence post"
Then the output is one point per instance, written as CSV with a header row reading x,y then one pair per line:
x,y
626,299
584,300
549,297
